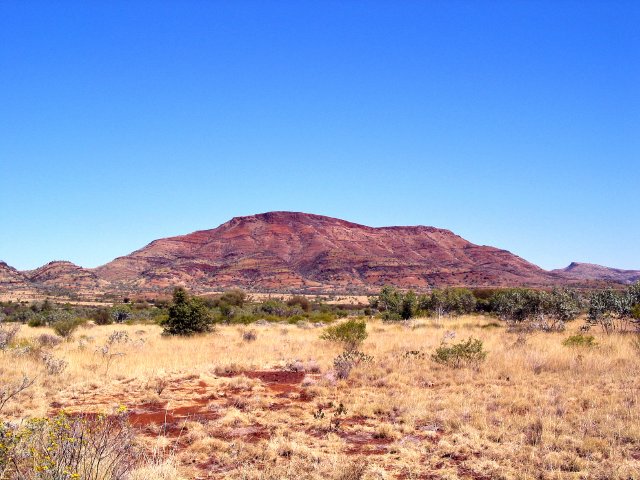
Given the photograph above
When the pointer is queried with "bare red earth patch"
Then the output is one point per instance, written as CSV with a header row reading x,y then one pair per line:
x,y
157,419
276,377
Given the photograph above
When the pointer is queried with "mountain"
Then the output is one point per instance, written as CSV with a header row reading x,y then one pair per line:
x,y
590,271
281,251
66,275
10,277
299,252
13,282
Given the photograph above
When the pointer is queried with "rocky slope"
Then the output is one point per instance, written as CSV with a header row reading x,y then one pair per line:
x,y
288,251
590,271
11,278
66,275
297,251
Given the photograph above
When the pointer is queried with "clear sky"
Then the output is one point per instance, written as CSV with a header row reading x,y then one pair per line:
x,y
512,123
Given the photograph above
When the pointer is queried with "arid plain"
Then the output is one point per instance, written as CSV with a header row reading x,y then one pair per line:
x,y
264,401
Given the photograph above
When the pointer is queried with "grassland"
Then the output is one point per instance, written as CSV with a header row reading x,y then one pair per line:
x,y
223,405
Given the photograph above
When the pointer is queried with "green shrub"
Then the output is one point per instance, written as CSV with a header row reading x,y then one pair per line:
x,y
66,326
274,307
300,301
65,447
102,316
395,304
350,333
36,321
235,298
580,340
187,315
322,317
469,352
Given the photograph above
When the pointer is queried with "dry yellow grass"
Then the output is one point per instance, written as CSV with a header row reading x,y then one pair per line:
x,y
537,410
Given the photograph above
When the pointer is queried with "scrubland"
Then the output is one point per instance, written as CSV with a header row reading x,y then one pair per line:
x,y
264,402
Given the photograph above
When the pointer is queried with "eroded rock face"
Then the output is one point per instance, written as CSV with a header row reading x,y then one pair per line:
x,y
298,251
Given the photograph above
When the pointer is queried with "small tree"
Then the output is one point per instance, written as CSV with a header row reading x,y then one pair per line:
x,y
187,315
610,309
300,301
102,316
394,304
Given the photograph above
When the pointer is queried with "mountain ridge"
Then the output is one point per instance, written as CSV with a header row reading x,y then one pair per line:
x,y
293,251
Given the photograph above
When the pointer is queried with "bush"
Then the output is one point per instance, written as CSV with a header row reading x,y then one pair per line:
x,y
347,360
394,304
102,316
546,311
235,298
300,301
249,335
610,309
120,313
580,340
88,447
274,307
66,327
350,333
36,321
469,352
48,340
187,315
449,301
7,335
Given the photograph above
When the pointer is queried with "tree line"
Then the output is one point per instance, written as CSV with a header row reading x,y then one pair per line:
x,y
545,310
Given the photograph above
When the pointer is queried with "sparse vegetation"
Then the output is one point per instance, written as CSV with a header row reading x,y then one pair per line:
x,y
580,340
265,397
64,447
469,352
350,333
66,327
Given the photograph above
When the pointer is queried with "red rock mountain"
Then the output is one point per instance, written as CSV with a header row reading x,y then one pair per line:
x,y
10,277
283,251
590,271
66,275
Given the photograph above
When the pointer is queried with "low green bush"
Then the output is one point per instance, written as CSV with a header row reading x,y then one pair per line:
x,y
469,352
66,326
580,340
36,321
350,333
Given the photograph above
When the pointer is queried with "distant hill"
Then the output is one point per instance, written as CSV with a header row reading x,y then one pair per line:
x,y
300,252
590,271
65,275
11,278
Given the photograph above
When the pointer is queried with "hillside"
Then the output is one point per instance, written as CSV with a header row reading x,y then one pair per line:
x,y
590,271
297,251
65,275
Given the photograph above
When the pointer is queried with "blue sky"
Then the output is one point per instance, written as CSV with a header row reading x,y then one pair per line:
x,y
514,124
